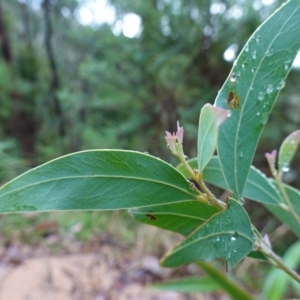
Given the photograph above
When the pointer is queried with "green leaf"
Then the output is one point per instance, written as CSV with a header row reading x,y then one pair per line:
x,y
277,281
209,121
187,285
259,188
96,179
287,151
228,286
182,218
285,216
227,235
251,89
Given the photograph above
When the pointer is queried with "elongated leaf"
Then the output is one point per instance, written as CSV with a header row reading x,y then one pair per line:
x,y
259,188
227,235
288,150
210,119
97,179
285,216
182,218
277,281
187,285
229,287
250,91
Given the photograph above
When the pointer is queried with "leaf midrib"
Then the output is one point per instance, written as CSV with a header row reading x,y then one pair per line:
x,y
97,176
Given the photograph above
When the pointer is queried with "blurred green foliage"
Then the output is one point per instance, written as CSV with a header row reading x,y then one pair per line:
x,y
113,91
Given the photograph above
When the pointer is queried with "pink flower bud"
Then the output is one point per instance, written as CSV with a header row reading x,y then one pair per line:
x,y
179,133
271,157
171,140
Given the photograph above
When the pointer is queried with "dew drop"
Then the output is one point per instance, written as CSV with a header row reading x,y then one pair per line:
x,y
218,239
244,63
258,113
261,96
286,66
269,89
234,236
242,200
247,47
146,153
285,168
264,118
209,202
233,77
270,52
168,147
280,85
241,155
254,54
252,70
229,113
186,157
257,39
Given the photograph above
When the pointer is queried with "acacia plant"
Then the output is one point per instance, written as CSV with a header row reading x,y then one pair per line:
x,y
177,199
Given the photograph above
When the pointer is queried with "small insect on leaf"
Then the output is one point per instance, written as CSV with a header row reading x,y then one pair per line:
x,y
233,100
152,217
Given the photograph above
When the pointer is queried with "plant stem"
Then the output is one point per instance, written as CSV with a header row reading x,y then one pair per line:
x,y
286,198
279,263
210,198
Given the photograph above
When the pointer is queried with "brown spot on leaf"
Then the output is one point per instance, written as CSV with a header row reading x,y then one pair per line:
x,y
233,101
152,217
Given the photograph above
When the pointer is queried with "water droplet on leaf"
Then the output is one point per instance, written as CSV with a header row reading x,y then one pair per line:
x,y
261,96
280,85
270,52
269,89
254,54
257,39
234,236
286,66
285,168
264,118
233,77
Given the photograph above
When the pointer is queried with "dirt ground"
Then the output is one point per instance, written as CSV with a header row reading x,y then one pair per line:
x,y
110,273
